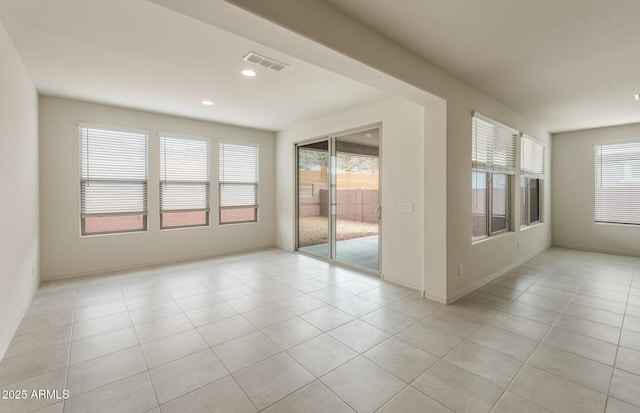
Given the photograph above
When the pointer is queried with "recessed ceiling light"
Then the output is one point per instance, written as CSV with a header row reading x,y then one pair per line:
x,y
637,96
207,102
248,73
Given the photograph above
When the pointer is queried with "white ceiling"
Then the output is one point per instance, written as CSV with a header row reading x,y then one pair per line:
x,y
137,54
565,64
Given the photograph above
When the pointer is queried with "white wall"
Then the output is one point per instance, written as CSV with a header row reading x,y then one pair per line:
x,y
66,253
402,180
354,50
573,193
19,233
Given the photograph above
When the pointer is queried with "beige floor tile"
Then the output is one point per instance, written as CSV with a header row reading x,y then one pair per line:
x,y
532,312
43,310
599,303
272,379
388,320
38,340
163,327
96,326
321,354
415,307
616,406
225,330
576,368
457,389
556,393
490,365
302,304
104,370
24,366
356,306
266,316
221,396
589,328
430,339
154,312
630,340
520,325
291,332
245,351
330,294
147,299
131,395
248,303
624,386
362,384
181,376
542,302
174,347
510,403
313,398
100,310
400,358
411,400
513,345
594,314
197,301
631,324
628,360
327,318
359,335
582,345
96,346
210,314
32,325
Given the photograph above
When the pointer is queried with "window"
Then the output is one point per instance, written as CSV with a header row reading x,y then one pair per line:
x,y
532,165
113,180
184,181
493,162
238,182
618,183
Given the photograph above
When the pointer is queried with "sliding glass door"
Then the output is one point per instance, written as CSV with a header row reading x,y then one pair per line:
x,y
338,198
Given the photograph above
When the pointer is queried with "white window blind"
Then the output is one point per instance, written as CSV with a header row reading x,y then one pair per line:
x,y
238,175
493,146
184,174
113,172
617,168
532,158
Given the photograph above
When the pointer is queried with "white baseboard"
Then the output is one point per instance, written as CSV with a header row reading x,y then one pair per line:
x,y
603,250
488,279
119,269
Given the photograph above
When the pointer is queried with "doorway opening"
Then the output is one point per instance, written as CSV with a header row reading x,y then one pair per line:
x,y
338,198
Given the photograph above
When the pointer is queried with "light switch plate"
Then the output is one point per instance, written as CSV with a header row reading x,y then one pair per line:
x,y
405,207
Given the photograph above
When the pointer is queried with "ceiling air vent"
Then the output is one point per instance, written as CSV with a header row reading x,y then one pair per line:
x,y
265,62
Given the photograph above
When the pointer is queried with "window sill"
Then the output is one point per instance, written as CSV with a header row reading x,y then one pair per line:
x,y
490,237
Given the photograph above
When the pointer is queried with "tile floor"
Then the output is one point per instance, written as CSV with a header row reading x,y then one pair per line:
x,y
279,332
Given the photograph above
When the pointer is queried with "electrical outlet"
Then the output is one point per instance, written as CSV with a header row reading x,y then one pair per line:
x,y
459,269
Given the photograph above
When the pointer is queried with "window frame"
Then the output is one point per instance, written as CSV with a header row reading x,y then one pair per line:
x,y
85,182
161,181
222,182
529,173
636,143
487,167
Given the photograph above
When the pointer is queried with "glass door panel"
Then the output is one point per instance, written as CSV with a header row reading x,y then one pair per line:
x,y
357,198
313,198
